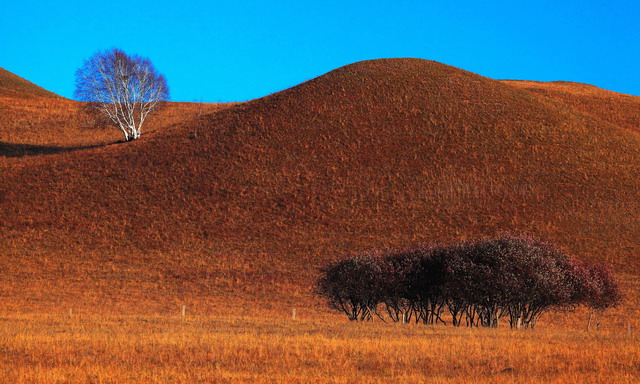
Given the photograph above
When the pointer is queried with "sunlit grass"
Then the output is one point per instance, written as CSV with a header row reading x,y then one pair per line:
x,y
81,348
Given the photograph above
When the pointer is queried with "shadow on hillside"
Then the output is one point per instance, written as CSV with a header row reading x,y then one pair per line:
x,y
21,150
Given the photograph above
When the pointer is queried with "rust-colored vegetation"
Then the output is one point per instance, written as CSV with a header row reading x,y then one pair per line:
x,y
612,107
233,209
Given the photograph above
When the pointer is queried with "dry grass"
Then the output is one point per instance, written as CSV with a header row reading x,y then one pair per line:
x,y
137,349
50,124
238,207
420,150
616,108
15,86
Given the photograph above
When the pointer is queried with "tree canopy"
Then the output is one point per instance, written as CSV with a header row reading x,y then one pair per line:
x,y
480,281
123,88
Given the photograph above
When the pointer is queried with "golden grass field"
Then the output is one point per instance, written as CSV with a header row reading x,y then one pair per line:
x,y
58,348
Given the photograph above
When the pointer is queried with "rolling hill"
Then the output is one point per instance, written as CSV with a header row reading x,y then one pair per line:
x,y
36,121
243,204
15,86
616,108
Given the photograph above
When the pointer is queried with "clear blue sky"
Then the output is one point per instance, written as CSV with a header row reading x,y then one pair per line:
x,y
239,50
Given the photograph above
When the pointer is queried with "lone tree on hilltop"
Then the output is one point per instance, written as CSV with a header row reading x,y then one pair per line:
x,y
123,88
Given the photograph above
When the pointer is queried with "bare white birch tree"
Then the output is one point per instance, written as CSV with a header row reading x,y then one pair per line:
x,y
121,87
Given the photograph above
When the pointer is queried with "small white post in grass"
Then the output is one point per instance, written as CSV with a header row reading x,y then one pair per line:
x,y
404,321
184,311
70,312
293,314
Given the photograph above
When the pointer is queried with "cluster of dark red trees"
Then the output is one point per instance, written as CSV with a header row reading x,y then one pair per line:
x,y
475,283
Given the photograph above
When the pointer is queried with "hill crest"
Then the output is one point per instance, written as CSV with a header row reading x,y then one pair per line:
x,y
12,85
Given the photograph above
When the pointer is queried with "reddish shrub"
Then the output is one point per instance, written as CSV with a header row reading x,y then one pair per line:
x,y
514,275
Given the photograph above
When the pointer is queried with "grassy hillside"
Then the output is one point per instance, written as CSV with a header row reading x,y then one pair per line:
x,y
16,86
244,204
36,121
616,108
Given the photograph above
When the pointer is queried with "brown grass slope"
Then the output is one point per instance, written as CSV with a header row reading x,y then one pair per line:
x,y
36,125
616,108
247,203
15,86
36,121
